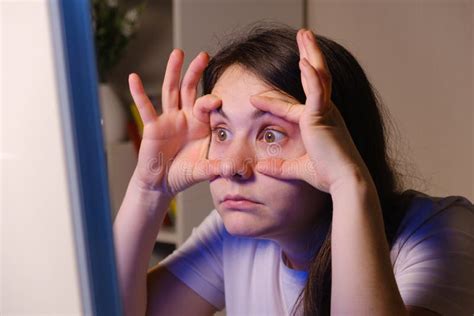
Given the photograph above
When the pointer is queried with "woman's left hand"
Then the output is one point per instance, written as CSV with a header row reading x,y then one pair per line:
x,y
331,156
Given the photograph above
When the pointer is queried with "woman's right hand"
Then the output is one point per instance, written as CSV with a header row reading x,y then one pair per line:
x,y
174,145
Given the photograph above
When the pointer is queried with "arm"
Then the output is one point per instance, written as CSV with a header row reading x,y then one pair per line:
x,y
157,292
171,158
135,229
362,278
363,282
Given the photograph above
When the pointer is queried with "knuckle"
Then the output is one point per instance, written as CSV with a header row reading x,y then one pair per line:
x,y
169,87
186,85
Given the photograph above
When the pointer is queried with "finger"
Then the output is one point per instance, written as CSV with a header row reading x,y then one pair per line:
x,y
228,167
316,59
191,80
300,42
206,169
302,51
315,102
204,105
170,88
143,103
284,109
293,169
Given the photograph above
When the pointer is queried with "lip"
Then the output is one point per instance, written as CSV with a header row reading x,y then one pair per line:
x,y
238,202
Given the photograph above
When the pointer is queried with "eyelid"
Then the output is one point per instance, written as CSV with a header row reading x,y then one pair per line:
x,y
273,128
218,126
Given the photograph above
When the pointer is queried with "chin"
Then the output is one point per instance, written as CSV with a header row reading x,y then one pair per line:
x,y
240,223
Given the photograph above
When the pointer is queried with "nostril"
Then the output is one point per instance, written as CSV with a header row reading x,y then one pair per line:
x,y
237,167
237,175
245,170
240,177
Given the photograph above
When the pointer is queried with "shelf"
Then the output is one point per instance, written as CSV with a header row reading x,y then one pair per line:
x,y
167,235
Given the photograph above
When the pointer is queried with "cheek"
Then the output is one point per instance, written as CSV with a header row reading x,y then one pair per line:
x,y
281,196
216,150
218,187
290,149
214,186
295,148
290,195
211,153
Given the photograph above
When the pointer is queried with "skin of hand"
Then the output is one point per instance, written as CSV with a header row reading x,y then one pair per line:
x,y
331,155
174,145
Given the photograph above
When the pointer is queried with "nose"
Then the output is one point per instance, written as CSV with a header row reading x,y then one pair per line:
x,y
239,162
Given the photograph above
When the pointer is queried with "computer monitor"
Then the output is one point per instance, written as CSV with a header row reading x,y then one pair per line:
x,y
57,253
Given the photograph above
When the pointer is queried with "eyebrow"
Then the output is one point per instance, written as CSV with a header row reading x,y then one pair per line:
x,y
255,114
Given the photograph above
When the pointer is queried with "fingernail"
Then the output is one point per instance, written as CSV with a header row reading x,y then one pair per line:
x,y
177,51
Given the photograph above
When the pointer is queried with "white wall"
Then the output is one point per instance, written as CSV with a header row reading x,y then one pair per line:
x,y
39,272
419,56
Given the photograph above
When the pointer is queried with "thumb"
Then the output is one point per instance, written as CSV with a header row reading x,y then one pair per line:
x,y
204,105
205,169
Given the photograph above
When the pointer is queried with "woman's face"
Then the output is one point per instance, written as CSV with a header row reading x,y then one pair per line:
x,y
241,134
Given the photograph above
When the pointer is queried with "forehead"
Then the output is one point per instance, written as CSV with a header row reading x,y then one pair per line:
x,y
239,83
234,87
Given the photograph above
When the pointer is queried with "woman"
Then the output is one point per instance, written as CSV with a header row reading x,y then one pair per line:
x,y
309,216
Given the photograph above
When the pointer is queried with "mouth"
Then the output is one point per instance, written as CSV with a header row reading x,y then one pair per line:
x,y
238,202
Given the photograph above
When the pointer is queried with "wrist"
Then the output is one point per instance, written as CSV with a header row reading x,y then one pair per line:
x,y
356,194
151,200
147,189
354,181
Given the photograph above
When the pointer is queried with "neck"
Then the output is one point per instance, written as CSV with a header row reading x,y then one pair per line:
x,y
300,264
297,255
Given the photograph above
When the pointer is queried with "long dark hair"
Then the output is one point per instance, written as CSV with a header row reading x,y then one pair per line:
x,y
270,52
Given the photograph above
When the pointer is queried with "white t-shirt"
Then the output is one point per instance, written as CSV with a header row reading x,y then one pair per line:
x,y
432,259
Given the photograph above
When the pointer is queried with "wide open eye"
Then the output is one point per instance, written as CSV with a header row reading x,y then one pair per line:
x,y
220,133
271,136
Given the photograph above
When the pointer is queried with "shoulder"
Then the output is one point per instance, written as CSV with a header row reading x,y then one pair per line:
x,y
446,221
432,254
427,214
